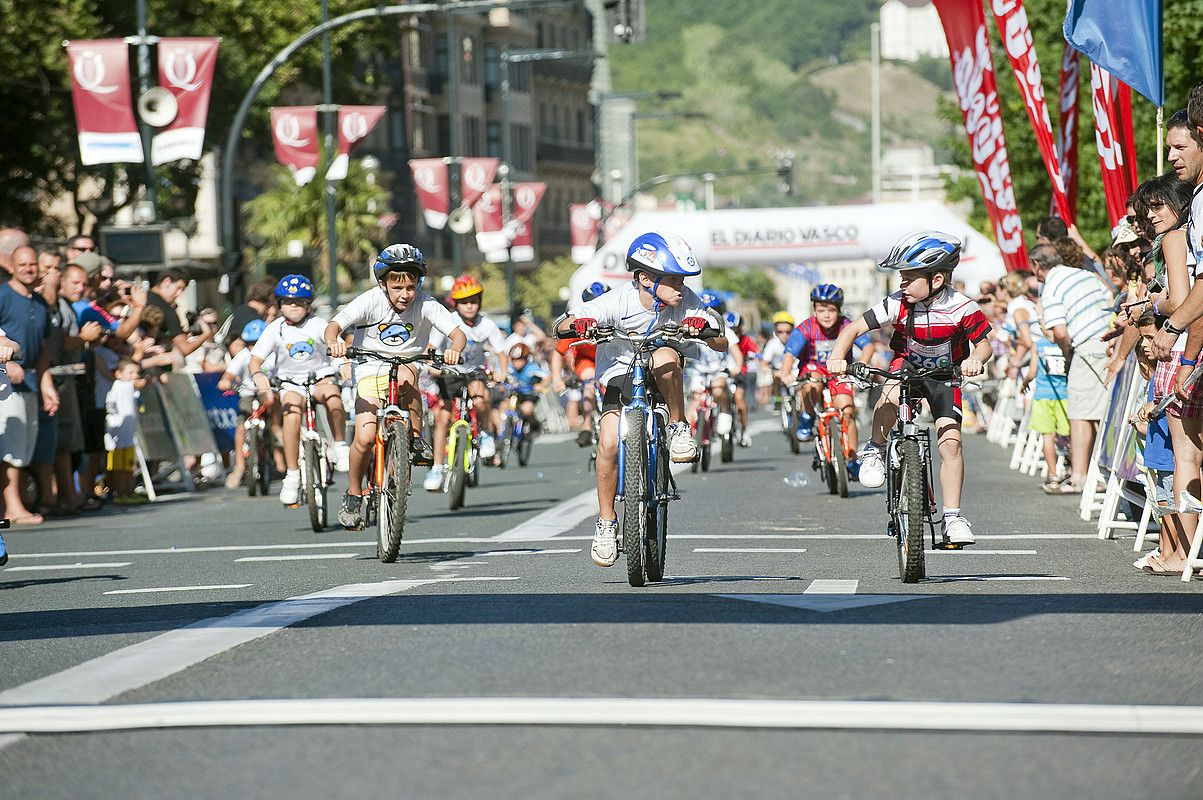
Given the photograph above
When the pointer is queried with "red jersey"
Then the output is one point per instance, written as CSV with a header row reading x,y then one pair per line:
x,y
939,332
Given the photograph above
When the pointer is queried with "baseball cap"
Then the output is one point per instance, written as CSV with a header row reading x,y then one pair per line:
x,y
87,260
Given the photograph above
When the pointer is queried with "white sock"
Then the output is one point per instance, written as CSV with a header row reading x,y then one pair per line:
x,y
951,512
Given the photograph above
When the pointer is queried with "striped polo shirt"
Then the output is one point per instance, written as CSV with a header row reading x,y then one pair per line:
x,y
1076,299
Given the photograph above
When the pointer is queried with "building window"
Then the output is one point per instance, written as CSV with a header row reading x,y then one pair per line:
x,y
396,130
440,58
493,68
444,132
580,127
521,146
473,139
493,139
539,41
520,76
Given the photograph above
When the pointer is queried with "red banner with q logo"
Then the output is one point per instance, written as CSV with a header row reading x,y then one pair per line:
x,y
294,135
104,112
185,70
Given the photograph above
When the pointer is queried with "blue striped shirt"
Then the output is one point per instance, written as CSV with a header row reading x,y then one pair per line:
x,y
1076,299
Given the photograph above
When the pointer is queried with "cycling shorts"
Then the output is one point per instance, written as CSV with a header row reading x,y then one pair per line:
x,y
944,400
296,388
620,390
451,385
121,460
835,386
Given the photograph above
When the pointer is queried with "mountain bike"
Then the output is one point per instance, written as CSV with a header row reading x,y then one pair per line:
x,y
831,443
314,457
645,482
516,435
257,447
389,474
910,494
463,440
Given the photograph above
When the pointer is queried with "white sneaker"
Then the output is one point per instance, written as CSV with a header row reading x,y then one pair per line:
x,y
681,446
488,445
342,456
605,543
745,439
290,489
434,478
872,468
957,530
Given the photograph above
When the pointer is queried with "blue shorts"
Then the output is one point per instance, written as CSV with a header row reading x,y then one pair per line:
x,y
1163,482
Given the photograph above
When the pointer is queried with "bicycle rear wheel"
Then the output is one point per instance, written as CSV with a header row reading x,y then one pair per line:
x,y
912,503
634,493
657,516
393,493
457,476
727,453
698,437
505,443
255,464
795,446
525,446
315,485
839,456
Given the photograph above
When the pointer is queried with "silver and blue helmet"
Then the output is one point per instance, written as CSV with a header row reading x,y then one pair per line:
x,y
733,319
294,287
593,291
399,258
661,254
932,251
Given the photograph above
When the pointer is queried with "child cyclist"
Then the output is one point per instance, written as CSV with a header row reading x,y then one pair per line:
x,y
807,350
934,326
656,295
295,339
484,337
527,378
394,319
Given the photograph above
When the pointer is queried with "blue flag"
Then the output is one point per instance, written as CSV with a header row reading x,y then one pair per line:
x,y
1123,38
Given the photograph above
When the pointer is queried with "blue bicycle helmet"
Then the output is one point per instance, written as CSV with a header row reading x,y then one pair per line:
x,y
827,293
733,319
399,258
661,254
927,250
710,299
252,331
294,287
594,291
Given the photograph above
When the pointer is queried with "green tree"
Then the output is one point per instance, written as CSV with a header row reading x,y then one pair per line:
x,y
750,284
286,212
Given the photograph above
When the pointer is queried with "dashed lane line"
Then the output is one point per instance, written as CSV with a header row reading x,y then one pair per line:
x,y
749,550
975,552
156,589
76,565
296,557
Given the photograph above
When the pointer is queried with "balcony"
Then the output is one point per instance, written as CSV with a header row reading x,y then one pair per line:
x,y
572,70
563,152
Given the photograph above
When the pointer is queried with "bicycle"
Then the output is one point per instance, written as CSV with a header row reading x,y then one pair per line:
x,y
910,495
790,417
831,442
314,459
515,434
463,441
704,419
257,448
389,474
645,482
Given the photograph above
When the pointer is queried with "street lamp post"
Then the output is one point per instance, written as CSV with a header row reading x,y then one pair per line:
x,y
331,121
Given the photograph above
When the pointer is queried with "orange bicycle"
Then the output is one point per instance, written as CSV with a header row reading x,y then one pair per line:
x,y
387,496
832,449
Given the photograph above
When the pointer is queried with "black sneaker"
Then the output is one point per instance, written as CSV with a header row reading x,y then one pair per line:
x,y
423,453
349,515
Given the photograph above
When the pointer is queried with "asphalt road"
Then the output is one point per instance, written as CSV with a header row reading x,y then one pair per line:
x,y
781,658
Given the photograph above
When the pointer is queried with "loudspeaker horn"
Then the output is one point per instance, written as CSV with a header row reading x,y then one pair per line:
x,y
460,220
157,107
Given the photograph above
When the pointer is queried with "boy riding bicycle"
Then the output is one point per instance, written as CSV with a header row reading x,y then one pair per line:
x,y
808,347
934,326
656,296
394,319
294,339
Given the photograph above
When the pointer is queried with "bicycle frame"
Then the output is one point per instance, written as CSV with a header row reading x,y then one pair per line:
x,y
391,410
464,416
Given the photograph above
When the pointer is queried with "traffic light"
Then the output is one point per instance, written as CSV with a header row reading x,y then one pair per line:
x,y
785,176
624,21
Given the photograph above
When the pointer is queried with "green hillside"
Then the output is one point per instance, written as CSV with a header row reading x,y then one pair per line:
x,y
774,76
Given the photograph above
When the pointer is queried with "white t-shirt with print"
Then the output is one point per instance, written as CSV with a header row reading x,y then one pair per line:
x,y
120,412
380,328
299,349
483,337
623,309
239,367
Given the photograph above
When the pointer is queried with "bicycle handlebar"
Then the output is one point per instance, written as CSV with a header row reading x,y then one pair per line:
x,y
359,354
669,333
864,372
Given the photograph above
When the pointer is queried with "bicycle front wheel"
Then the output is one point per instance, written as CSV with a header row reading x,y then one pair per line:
x,y
912,504
458,474
255,464
657,516
839,456
525,445
505,443
795,446
393,493
315,485
634,493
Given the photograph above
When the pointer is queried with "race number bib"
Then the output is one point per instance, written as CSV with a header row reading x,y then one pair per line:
x,y
1054,365
929,356
823,350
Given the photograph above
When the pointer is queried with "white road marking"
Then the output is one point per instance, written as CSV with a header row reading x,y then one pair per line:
x,y
231,548
826,603
296,557
181,588
137,665
539,552
749,550
617,711
76,565
741,537
949,578
831,587
976,552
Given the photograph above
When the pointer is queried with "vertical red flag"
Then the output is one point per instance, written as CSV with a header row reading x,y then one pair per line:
x,y
1067,128
583,222
433,189
104,112
294,134
476,176
1113,136
491,239
1016,35
973,76
185,70
527,197
522,248
354,124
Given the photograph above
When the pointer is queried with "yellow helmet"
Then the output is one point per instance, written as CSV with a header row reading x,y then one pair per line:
x,y
465,286
783,316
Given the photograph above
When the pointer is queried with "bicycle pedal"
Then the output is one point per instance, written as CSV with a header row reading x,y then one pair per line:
x,y
949,546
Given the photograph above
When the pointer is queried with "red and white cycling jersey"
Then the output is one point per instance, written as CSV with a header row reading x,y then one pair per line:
x,y
936,333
